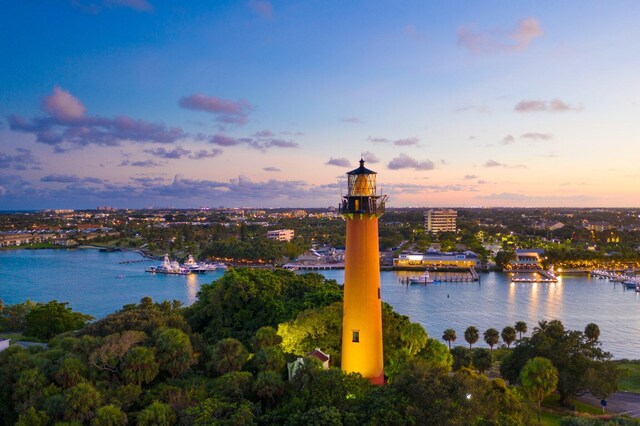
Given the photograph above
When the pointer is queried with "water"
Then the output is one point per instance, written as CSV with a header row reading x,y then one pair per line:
x,y
87,279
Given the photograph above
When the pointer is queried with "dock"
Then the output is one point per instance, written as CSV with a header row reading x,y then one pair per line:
x,y
449,276
540,276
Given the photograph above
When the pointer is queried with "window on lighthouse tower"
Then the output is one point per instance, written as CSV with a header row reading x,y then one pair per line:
x,y
356,336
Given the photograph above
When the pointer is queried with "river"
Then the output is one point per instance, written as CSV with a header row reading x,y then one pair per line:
x,y
98,284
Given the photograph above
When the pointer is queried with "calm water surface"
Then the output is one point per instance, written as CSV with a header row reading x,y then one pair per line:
x,y
87,279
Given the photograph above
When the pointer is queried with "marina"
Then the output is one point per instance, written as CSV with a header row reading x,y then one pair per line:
x,y
98,284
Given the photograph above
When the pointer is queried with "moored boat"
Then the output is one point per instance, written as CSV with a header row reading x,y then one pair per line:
x,y
425,278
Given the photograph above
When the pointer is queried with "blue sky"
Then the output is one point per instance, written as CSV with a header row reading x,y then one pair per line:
x,y
135,103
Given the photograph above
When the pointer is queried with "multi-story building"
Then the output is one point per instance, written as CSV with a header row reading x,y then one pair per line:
x,y
280,235
440,221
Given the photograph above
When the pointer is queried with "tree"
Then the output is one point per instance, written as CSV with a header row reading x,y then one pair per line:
x,y
33,417
265,336
139,366
269,386
157,414
592,331
521,327
414,336
50,319
482,359
70,372
81,401
270,358
508,335
109,415
461,357
449,336
491,337
228,355
471,335
539,378
173,351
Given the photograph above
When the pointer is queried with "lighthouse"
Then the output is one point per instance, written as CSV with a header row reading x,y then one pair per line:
x,y
362,316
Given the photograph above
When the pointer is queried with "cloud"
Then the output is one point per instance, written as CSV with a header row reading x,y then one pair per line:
x,y
146,163
412,32
537,136
67,126
203,153
406,142
62,105
271,169
493,163
340,162
473,108
508,140
90,6
262,8
554,105
370,157
260,143
500,40
62,178
264,134
377,140
470,177
225,111
403,161
352,120
23,160
174,154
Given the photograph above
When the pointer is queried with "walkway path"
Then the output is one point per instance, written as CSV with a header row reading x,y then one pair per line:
x,y
627,403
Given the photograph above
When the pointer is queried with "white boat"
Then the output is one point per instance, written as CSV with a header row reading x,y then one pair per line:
x,y
202,267
425,278
169,267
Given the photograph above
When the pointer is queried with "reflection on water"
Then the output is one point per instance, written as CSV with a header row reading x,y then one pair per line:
x,y
87,280
192,288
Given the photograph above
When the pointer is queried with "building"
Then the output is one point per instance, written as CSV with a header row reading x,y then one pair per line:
x,y
280,235
433,259
362,313
528,259
440,221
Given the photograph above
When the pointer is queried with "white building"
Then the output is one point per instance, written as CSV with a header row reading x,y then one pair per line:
x,y
280,235
4,344
440,221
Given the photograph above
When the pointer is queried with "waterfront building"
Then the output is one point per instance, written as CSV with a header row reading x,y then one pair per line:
x,y
528,259
4,344
362,313
440,221
281,235
433,259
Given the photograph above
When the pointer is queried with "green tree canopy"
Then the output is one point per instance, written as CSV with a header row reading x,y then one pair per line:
x,y
539,378
52,318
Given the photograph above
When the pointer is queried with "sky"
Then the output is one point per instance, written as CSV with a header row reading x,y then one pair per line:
x,y
148,103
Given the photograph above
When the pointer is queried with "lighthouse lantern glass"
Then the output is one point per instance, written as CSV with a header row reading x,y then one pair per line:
x,y
362,185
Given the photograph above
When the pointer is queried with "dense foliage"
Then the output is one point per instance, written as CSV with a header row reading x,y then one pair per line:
x,y
581,363
224,361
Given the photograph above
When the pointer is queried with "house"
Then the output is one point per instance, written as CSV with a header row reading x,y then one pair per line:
x,y
4,343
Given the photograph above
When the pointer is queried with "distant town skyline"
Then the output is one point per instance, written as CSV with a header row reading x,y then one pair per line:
x,y
145,103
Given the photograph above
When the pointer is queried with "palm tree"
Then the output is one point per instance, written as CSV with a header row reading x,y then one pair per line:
x,y
492,337
521,327
414,336
471,335
592,331
508,335
541,327
449,336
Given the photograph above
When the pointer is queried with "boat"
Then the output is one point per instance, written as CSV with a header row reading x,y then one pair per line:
x,y
202,267
425,278
169,267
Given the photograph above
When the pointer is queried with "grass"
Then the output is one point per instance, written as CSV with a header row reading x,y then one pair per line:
x,y
550,419
629,375
12,336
